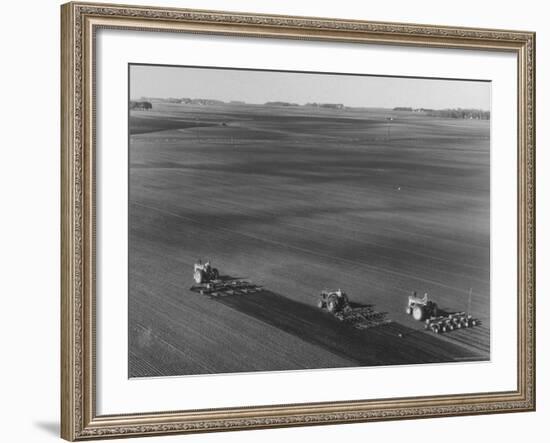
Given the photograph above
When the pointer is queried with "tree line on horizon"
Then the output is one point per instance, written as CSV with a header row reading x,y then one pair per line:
x,y
462,113
144,105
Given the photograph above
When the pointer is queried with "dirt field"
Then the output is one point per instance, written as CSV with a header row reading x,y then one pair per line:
x,y
377,202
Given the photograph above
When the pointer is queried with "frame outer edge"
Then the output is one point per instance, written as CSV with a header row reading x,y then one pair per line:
x,y
531,202
534,197
78,420
526,223
67,428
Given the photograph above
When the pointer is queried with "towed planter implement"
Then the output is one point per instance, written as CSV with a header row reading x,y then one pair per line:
x,y
222,288
336,302
450,322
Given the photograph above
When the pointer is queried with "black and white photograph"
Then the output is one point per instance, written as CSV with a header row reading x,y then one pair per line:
x,y
293,220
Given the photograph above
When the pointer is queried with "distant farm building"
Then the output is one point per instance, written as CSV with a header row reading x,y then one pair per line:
x,y
468,114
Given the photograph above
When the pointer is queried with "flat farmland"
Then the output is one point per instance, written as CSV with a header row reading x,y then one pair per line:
x,y
377,202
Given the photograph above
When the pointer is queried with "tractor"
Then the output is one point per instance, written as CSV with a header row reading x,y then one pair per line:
x,y
420,307
333,301
204,273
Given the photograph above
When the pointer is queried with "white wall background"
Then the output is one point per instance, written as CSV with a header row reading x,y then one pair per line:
x,y
29,217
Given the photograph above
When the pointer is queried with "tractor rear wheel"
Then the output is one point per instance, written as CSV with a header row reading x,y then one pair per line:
x,y
198,277
418,313
331,306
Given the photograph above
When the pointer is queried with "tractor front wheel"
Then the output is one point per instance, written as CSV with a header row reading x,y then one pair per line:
x,y
320,304
331,306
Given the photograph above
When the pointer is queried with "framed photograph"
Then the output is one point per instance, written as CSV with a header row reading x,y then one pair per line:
x,y
282,221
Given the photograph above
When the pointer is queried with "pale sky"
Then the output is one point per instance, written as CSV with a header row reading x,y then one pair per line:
x,y
263,86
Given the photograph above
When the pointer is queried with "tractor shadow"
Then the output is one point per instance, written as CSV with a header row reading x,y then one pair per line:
x,y
355,305
228,278
385,344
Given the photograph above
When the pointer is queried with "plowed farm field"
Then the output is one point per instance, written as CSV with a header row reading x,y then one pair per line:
x,y
379,203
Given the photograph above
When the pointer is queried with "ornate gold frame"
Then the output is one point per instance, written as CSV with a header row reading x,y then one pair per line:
x,y
79,23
